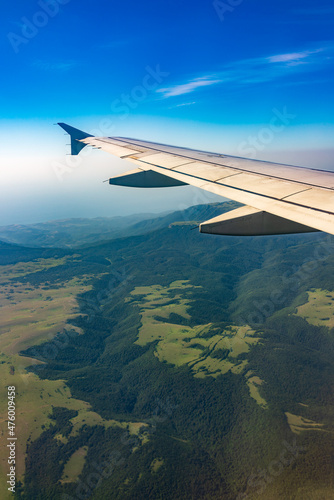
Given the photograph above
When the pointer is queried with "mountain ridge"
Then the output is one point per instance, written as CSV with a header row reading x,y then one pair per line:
x,y
73,233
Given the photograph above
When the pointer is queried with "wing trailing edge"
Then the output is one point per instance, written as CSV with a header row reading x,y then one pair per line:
x,y
279,198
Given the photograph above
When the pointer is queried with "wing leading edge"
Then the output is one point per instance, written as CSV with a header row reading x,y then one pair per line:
x,y
279,199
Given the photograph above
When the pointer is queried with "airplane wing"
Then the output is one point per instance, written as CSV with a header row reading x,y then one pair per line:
x,y
278,199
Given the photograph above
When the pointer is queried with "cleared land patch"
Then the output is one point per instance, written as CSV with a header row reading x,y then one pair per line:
x,y
319,309
204,350
31,315
156,464
254,383
299,424
87,417
74,466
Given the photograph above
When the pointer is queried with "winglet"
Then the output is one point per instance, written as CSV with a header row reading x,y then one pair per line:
x,y
76,136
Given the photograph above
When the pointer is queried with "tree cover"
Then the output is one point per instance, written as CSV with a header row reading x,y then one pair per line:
x,y
212,438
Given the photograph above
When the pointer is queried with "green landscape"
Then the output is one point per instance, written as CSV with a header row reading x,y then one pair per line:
x,y
166,364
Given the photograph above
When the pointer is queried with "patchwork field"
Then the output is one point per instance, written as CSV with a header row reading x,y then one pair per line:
x,y
221,432
31,315
205,350
23,268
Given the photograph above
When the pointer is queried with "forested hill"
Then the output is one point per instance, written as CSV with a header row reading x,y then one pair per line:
x,y
70,233
207,362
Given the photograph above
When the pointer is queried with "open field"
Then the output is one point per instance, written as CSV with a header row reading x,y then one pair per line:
x,y
36,315
29,316
205,352
156,464
34,401
74,466
299,424
319,309
254,383
23,268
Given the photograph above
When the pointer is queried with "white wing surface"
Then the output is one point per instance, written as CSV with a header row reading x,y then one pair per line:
x,y
279,198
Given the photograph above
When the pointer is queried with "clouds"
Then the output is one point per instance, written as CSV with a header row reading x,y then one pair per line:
x,y
188,87
185,104
293,58
258,70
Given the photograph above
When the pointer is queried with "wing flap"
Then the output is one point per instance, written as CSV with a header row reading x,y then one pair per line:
x,y
248,221
298,213
139,178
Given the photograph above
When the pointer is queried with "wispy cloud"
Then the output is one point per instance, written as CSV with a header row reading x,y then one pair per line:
x,y
258,70
275,66
292,58
182,105
54,66
185,104
188,87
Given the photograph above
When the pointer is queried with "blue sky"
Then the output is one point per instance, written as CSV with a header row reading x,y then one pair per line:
x,y
208,75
